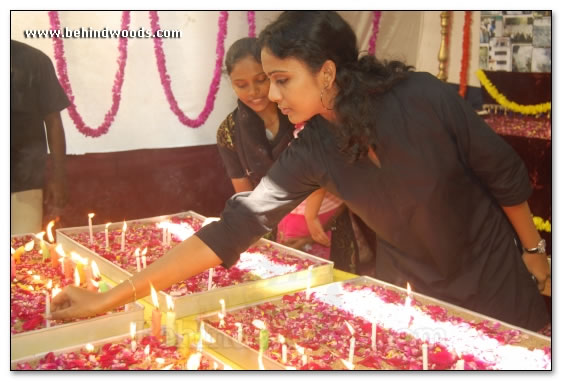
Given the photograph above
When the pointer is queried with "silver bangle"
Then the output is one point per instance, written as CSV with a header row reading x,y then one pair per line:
x,y
134,290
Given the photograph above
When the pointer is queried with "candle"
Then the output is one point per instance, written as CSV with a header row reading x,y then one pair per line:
x,y
239,331
168,234
144,257
349,365
107,235
147,352
352,343
284,348
210,279
170,321
95,270
194,361
301,350
424,357
54,255
222,302
221,320
90,216
132,332
44,250
156,314
79,264
460,364
138,259
76,277
309,279
373,336
123,236
47,309
408,306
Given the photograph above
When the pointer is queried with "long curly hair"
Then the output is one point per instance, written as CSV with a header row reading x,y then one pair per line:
x,y
316,36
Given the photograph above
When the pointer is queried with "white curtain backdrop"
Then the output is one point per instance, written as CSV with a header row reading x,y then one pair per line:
x,y
144,119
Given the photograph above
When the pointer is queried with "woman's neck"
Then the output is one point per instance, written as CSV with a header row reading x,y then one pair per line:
x,y
269,115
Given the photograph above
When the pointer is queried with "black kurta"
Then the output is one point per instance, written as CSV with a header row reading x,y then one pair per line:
x,y
434,203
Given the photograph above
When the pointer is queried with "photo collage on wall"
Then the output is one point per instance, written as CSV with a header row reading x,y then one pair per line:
x,y
515,41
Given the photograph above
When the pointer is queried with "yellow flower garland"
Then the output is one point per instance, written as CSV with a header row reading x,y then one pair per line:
x,y
502,100
541,225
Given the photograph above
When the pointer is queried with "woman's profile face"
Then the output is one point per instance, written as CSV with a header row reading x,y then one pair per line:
x,y
293,87
250,83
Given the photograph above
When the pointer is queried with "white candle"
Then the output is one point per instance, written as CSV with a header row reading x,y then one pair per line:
x,y
352,343
239,331
210,280
163,226
373,336
90,216
170,322
107,236
424,357
221,320
47,309
168,236
284,348
460,365
144,257
301,350
123,236
222,302
137,254
309,280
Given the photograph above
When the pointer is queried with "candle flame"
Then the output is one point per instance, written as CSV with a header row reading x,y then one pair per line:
x,y
56,290
169,303
59,250
50,231
259,324
132,329
89,348
154,297
409,291
281,339
91,215
76,277
75,257
144,251
49,284
107,225
95,269
147,349
40,235
193,361
94,283
124,226
350,328
29,246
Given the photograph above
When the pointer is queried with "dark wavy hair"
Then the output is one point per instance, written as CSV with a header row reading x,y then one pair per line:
x,y
247,46
316,36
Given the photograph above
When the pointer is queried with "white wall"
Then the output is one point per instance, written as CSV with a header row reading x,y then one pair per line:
x,y
144,119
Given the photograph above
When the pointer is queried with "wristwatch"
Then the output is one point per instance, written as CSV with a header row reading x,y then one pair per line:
x,y
540,248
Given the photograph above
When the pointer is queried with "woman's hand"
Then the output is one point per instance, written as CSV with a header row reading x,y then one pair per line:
x,y
538,266
75,302
317,231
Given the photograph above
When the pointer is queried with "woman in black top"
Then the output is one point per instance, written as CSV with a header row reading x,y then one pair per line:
x,y
445,195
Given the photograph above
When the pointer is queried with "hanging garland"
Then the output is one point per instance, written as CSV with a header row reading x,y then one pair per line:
x,y
65,82
251,17
375,31
503,101
165,78
541,225
465,54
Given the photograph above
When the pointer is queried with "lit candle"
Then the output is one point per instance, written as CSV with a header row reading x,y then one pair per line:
x,y
107,235
132,332
284,348
210,279
156,314
309,279
373,336
239,331
123,236
44,249
76,277
424,357
352,343
170,321
148,353
144,257
137,254
47,309
90,216
222,302
50,231
79,264
95,271
51,246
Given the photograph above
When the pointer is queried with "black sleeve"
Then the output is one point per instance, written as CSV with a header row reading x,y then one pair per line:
x,y
227,149
52,97
249,215
482,150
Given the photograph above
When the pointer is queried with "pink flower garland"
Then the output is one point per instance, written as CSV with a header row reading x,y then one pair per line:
x,y
165,78
251,17
65,82
375,31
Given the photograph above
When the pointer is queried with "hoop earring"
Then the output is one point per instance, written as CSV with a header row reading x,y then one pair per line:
x,y
322,102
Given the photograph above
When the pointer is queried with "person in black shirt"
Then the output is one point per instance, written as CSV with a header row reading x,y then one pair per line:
x,y
445,195
37,99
